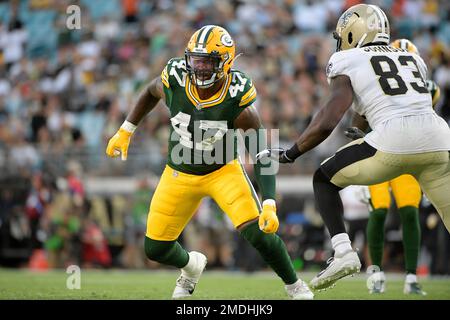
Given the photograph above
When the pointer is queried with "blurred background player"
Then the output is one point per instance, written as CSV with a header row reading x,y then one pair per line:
x,y
203,93
407,195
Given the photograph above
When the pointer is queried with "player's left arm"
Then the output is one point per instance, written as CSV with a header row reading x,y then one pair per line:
x,y
249,120
148,99
324,121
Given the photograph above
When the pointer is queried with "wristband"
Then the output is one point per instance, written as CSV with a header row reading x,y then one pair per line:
x,y
293,153
128,126
269,202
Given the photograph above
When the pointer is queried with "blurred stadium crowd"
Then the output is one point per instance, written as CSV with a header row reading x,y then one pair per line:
x,y
64,92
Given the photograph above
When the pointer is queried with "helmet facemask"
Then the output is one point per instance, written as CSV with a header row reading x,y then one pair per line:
x,y
338,41
204,69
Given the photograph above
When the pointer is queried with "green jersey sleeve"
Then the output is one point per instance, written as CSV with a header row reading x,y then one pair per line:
x,y
242,89
173,77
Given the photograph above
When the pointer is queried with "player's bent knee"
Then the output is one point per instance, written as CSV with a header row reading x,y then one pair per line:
x,y
321,183
253,234
157,250
412,203
320,177
379,213
409,214
244,225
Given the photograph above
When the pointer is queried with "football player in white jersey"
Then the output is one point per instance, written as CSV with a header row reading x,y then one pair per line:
x,y
407,193
386,86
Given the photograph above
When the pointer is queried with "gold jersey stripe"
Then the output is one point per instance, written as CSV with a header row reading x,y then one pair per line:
x,y
217,98
248,93
243,103
165,77
250,98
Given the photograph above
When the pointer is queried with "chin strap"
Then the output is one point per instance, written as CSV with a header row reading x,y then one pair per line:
x,y
235,58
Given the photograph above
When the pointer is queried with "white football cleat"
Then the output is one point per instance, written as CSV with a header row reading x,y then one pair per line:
x,y
190,275
413,288
299,291
377,282
338,267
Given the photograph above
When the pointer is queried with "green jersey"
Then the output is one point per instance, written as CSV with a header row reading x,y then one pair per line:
x,y
202,136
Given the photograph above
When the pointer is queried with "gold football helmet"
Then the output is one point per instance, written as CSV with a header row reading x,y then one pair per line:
x,y
360,25
405,44
209,55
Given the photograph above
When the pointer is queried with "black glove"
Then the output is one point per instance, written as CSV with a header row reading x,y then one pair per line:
x,y
280,154
283,157
354,133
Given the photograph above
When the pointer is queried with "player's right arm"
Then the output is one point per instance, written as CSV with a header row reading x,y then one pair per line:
x,y
146,101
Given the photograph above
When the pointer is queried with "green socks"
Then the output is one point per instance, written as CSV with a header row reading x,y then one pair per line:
x,y
166,252
411,237
272,250
269,245
375,235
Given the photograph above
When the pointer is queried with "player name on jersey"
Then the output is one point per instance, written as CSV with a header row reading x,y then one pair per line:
x,y
383,49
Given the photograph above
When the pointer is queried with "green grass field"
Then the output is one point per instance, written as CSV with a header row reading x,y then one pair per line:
x,y
115,284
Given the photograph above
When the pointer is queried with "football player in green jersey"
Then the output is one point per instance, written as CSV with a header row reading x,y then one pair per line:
x,y
207,100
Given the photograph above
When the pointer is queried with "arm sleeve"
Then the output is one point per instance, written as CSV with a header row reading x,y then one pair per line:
x,y
248,96
266,182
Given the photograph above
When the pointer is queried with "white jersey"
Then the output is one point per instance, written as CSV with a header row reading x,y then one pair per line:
x,y
390,92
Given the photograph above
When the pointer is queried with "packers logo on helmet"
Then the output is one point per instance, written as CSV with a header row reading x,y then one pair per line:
x,y
360,25
405,44
226,40
209,55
